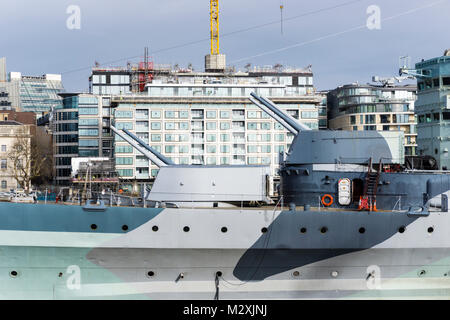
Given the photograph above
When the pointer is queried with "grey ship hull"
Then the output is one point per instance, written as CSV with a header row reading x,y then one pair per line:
x,y
281,263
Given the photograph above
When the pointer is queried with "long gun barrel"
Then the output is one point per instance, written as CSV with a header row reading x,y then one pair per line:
x,y
147,153
279,115
162,158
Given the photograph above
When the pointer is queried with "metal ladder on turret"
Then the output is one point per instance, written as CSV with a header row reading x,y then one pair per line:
x,y
368,201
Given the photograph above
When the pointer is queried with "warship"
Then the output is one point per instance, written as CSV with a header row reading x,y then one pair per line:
x,y
354,220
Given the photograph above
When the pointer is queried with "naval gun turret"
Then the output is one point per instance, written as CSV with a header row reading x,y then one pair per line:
x,y
201,185
333,168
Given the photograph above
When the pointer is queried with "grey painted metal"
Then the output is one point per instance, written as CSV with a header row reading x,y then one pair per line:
x,y
164,159
350,147
152,157
211,184
299,127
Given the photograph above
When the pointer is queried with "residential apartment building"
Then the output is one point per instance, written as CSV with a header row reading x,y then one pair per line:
x,y
433,108
202,118
373,107
192,118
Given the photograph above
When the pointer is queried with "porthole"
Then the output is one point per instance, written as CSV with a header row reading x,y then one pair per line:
x,y
421,273
430,230
155,228
186,229
303,230
324,230
401,229
264,230
124,227
224,229
150,274
93,226
296,273
362,230
219,273
14,273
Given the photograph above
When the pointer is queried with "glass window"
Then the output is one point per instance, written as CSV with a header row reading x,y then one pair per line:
x,y
211,126
169,114
124,149
252,114
169,125
184,114
211,138
124,161
265,125
446,115
225,149
252,149
156,125
88,122
124,125
252,125
225,126
183,125
125,172
224,137
156,137
183,149
88,132
88,111
446,81
211,114
88,143
170,149
224,114
278,137
278,126
211,148
123,114
170,137
156,114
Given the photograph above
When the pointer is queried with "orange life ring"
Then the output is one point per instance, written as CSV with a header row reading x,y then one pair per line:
x,y
328,203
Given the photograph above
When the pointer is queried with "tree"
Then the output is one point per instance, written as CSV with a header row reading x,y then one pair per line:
x,y
29,160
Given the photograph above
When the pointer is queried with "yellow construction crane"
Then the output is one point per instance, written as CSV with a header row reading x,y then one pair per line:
x,y
214,16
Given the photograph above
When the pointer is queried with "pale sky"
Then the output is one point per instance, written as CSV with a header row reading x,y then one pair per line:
x,y
35,38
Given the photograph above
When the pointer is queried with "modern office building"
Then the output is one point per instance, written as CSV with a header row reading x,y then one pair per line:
x,y
433,108
81,128
374,107
38,94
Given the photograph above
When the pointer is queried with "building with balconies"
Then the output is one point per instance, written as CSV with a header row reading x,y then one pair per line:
x,y
371,107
